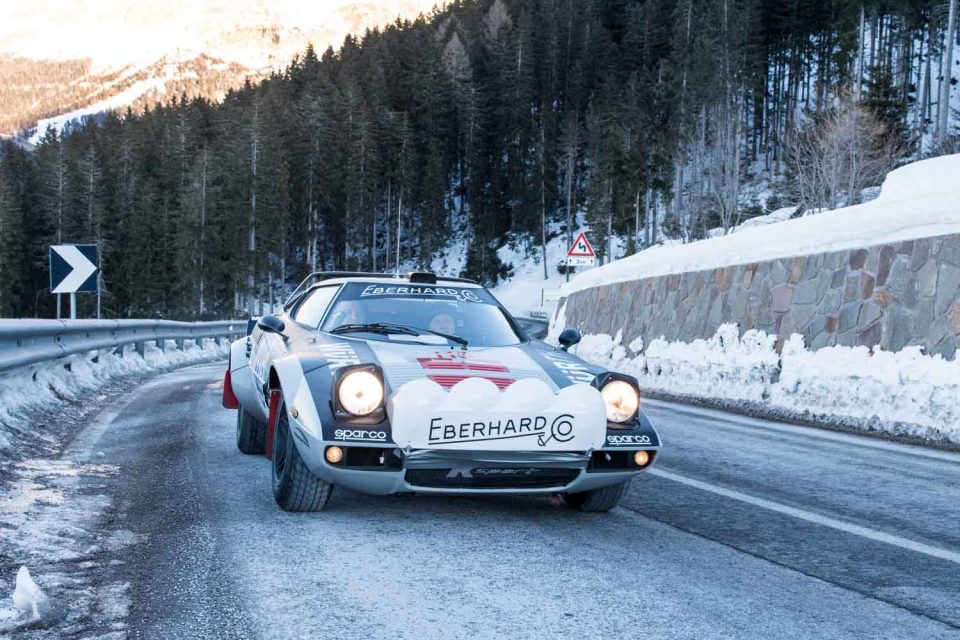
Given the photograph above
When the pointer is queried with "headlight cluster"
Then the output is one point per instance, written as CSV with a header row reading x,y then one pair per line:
x,y
622,400
360,393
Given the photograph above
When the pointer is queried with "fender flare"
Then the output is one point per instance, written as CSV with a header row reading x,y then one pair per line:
x,y
238,354
297,395
241,379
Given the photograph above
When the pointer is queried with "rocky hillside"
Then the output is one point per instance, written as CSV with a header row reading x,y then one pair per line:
x,y
86,56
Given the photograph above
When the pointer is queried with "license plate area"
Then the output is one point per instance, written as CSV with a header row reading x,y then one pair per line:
x,y
491,477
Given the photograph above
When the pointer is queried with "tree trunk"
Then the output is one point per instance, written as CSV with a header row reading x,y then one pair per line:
x,y
252,221
203,225
946,70
543,204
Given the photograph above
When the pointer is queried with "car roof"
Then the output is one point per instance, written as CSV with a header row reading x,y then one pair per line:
x,y
389,279
339,277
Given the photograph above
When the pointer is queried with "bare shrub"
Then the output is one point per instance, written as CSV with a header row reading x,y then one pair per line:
x,y
835,158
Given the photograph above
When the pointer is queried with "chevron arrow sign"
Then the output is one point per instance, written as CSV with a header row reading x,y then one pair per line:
x,y
73,268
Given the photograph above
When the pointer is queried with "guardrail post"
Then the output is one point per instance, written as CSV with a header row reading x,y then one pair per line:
x,y
141,347
180,343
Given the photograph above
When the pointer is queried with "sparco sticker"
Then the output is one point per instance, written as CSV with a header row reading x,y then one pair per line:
x,y
359,434
625,440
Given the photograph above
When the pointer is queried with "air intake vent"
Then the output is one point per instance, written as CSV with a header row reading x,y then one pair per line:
x,y
422,277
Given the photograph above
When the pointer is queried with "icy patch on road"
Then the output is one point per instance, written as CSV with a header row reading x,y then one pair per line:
x,y
67,380
52,522
904,392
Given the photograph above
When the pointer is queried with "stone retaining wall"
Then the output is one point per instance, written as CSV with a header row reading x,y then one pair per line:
x,y
891,295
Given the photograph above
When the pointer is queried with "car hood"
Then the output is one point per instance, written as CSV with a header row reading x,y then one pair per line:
x,y
403,363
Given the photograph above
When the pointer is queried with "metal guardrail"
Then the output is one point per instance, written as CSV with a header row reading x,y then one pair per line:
x,y
27,342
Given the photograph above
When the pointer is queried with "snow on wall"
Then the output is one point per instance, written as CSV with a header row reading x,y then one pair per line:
x,y
918,200
65,380
891,295
902,392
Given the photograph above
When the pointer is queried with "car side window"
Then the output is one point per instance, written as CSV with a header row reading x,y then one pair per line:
x,y
311,310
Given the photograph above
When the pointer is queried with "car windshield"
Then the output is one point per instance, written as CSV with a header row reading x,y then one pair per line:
x,y
389,312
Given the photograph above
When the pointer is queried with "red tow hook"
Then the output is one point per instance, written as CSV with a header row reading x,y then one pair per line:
x,y
272,422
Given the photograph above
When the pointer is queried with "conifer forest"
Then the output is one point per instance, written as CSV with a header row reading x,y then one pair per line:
x,y
483,122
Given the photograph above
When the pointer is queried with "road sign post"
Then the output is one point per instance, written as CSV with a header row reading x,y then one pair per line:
x,y
74,268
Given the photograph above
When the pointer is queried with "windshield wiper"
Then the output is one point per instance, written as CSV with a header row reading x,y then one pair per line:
x,y
452,338
375,327
388,328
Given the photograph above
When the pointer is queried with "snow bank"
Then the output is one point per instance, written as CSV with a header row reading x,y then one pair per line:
x,y
66,379
916,201
27,596
521,293
905,392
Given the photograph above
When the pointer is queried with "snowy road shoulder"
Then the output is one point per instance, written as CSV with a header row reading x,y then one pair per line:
x,y
53,525
54,506
37,402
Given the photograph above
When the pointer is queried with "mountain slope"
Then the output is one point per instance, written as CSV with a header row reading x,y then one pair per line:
x,y
86,55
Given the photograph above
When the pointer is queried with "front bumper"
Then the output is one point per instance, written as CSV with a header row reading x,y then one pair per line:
x,y
465,472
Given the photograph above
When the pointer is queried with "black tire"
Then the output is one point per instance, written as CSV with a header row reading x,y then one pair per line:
x,y
251,433
598,500
295,488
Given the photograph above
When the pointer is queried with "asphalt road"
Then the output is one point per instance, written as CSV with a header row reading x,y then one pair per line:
x,y
743,529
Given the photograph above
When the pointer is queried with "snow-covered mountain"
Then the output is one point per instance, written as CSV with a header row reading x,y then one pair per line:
x,y
84,56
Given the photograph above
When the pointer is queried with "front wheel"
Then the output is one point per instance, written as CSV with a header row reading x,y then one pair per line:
x,y
295,488
598,500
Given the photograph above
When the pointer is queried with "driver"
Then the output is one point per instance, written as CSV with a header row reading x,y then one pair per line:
x,y
443,322
348,312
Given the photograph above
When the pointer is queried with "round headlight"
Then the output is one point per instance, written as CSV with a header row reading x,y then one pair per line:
x,y
621,399
360,393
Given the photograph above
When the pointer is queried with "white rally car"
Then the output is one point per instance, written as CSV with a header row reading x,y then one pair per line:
x,y
425,384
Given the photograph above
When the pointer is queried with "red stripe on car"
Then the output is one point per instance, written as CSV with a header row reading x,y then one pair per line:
x,y
450,363
450,380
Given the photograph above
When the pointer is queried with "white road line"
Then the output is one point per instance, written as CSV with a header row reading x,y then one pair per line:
x,y
816,518
744,423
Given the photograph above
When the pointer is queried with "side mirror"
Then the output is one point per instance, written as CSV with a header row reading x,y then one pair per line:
x,y
272,324
568,338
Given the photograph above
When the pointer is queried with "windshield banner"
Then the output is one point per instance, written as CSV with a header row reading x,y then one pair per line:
x,y
459,294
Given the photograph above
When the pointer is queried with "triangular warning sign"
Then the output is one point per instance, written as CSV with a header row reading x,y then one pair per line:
x,y
581,247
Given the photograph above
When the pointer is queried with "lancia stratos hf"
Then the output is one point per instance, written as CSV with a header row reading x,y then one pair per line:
x,y
420,383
